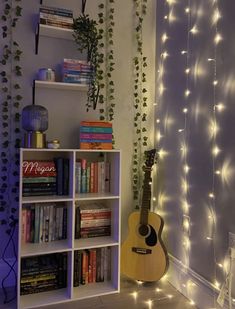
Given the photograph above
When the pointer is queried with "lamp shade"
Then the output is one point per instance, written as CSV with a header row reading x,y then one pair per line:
x,y
35,118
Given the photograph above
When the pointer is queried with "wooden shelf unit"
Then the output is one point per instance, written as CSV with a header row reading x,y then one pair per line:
x,y
112,199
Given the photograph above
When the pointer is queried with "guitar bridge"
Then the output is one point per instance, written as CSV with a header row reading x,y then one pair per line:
x,y
141,250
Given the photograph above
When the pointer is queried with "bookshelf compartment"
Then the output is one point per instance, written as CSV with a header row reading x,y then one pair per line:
x,y
45,228
43,273
98,275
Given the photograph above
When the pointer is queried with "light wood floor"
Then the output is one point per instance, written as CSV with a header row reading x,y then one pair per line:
x,y
167,298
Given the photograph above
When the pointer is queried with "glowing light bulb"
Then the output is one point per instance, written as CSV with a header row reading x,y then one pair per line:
x,y
215,151
158,290
183,52
218,38
187,92
154,199
211,195
139,282
165,17
187,71
217,284
209,238
180,130
187,10
218,172
220,107
210,59
194,30
192,303
220,265
185,110
186,169
158,120
215,82
164,37
165,55
216,16
135,294
149,302
169,296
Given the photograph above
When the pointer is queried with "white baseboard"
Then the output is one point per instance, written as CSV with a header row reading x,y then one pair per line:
x,y
4,270
193,286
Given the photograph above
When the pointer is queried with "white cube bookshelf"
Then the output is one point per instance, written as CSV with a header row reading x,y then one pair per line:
x,y
70,245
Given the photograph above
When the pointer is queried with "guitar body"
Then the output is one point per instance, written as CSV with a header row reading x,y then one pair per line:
x,y
144,258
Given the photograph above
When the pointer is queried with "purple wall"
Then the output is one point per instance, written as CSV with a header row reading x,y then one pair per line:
x,y
201,178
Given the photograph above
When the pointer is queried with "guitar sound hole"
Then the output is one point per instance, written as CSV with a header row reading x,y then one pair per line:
x,y
143,230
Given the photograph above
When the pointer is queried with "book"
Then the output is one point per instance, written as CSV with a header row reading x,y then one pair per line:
x,y
56,11
86,129
96,145
60,175
65,176
38,180
56,23
78,177
38,168
96,124
83,176
95,222
94,136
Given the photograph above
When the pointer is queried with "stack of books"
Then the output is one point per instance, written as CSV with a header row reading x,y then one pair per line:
x,y
96,135
39,178
45,177
43,223
43,273
76,71
93,265
56,17
92,220
92,177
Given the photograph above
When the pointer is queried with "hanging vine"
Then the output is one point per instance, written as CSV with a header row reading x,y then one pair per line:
x,y
139,100
10,72
106,29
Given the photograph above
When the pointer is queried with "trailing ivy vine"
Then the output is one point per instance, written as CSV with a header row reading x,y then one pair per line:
x,y
139,100
10,73
106,24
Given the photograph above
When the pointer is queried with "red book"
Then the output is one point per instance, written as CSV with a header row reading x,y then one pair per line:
x,y
96,124
96,215
38,168
91,136
96,145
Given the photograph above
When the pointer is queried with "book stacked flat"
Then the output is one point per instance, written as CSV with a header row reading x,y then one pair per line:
x,y
76,71
56,17
43,273
92,265
93,220
96,135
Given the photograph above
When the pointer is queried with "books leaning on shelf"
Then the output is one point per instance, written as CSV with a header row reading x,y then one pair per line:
x,y
92,265
76,71
96,135
43,222
43,273
92,220
45,177
92,177
56,17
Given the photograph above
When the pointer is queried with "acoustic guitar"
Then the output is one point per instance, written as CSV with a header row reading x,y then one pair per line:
x,y
143,254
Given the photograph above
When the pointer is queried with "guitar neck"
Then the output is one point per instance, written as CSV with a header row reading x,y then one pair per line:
x,y
146,197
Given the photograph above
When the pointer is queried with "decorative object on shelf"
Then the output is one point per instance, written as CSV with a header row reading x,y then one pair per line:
x,y
54,144
87,38
46,74
139,100
10,92
35,122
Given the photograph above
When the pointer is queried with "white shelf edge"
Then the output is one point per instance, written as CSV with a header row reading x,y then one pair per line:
x,y
32,249
70,150
45,199
56,32
94,242
61,85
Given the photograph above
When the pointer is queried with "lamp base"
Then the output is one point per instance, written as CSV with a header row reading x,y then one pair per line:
x,y
34,139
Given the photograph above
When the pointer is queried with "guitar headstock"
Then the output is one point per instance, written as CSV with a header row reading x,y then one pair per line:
x,y
151,157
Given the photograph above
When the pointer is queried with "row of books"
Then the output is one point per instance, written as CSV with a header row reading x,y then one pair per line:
x,y
76,71
93,265
45,177
92,220
56,17
96,135
92,177
43,273
43,223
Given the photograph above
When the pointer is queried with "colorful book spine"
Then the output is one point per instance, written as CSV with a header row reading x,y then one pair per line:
x,y
96,145
105,124
96,136
86,129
